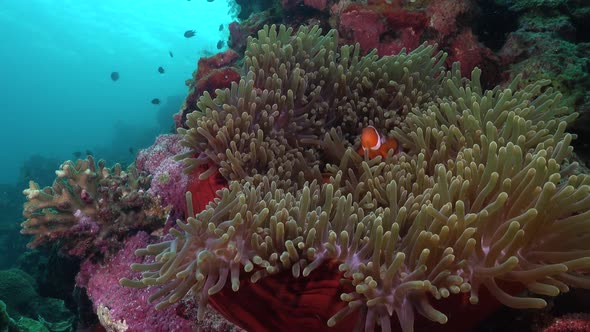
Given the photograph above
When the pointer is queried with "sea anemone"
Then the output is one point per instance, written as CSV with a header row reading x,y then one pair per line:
x,y
482,198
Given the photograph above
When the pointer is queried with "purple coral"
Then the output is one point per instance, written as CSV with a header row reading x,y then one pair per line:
x,y
130,305
170,183
164,147
168,180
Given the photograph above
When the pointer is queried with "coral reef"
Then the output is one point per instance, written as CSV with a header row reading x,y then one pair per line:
x,y
247,8
385,28
215,72
37,168
7,324
168,182
483,198
126,309
570,323
90,208
150,160
285,224
279,131
390,26
240,31
551,43
53,272
209,70
23,309
17,290
563,311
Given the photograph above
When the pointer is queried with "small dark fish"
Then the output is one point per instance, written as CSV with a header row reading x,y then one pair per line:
x,y
131,150
77,154
115,76
206,53
221,27
88,153
189,33
156,101
171,55
161,70
219,44
209,0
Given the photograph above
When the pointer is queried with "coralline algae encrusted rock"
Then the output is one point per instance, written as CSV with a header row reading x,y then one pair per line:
x,y
168,182
570,323
126,309
482,198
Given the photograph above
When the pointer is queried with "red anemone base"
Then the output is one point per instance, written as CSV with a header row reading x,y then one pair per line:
x,y
284,303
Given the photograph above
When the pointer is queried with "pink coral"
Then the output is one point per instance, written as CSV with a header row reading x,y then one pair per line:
x,y
149,159
131,305
579,322
408,38
170,183
443,15
390,27
466,49
316,4
364,26
387,28
168,180
85,225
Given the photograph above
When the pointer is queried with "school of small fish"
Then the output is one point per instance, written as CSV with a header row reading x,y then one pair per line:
x,y
187,34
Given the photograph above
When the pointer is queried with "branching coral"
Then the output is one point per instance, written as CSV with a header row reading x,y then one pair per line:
x,y
90,208
481,197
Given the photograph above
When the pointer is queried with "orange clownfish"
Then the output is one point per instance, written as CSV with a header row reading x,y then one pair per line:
x,y
376,144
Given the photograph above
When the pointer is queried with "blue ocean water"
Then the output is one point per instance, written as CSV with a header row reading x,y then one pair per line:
x,y
56,58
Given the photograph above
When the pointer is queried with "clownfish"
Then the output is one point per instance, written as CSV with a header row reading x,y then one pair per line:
x,y
376,144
